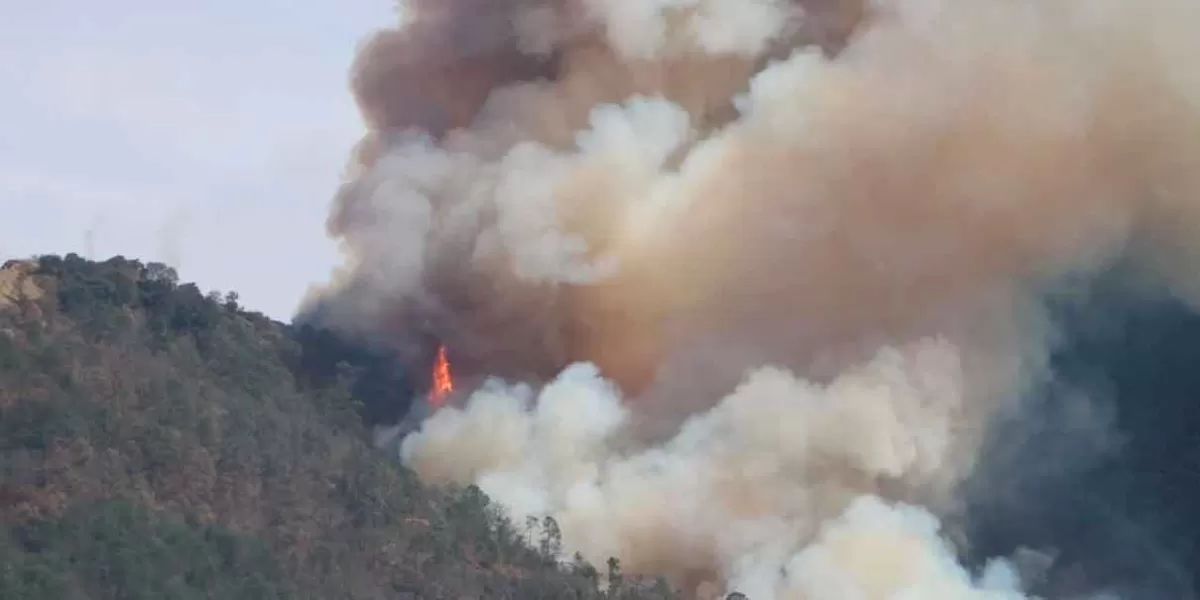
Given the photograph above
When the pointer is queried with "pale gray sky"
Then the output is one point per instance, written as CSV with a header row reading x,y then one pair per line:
x,y
209,135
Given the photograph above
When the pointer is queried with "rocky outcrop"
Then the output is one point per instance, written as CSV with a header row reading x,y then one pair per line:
x,y
16,283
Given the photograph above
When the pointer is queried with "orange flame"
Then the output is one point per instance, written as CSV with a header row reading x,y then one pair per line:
x,y
443,383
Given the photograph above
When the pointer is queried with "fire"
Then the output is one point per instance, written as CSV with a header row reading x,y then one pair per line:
x,y
443,382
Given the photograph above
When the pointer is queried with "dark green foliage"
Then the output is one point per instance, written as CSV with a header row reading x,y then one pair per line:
x,y
156,442
121,551
384,391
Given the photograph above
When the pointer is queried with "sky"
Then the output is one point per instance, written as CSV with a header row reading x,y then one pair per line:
x,y
207,135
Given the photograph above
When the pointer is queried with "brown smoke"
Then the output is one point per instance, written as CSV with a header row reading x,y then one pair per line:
x,y
436,73
680,193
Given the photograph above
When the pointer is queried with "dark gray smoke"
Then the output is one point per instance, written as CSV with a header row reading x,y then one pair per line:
x,y
1103,468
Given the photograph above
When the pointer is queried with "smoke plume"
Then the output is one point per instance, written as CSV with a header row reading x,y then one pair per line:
x,y
739,288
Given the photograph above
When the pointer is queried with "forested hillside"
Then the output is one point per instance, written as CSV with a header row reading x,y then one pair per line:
x,y
157,442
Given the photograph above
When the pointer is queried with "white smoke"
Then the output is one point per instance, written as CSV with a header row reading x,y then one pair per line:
x,y
642,29
859,240
776,489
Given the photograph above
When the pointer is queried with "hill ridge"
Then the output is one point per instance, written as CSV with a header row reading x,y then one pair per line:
x,y
159,442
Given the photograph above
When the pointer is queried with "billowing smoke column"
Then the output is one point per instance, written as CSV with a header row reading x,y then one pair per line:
x,y
754,278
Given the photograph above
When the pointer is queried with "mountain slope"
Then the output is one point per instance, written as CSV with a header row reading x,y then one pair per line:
x,y
156,442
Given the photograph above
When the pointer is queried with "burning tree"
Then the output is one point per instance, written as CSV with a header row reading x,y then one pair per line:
x,y
443,382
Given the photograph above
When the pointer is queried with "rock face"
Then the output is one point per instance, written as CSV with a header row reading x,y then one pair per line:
x,y
16,284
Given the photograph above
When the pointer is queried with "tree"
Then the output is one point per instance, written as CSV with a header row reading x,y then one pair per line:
x,y
531,523
551,543
615,580
158,272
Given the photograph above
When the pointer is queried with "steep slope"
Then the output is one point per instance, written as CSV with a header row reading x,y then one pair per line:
x,y
156,442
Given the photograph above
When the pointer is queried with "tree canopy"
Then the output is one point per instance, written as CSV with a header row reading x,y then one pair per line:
x,y
160,442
